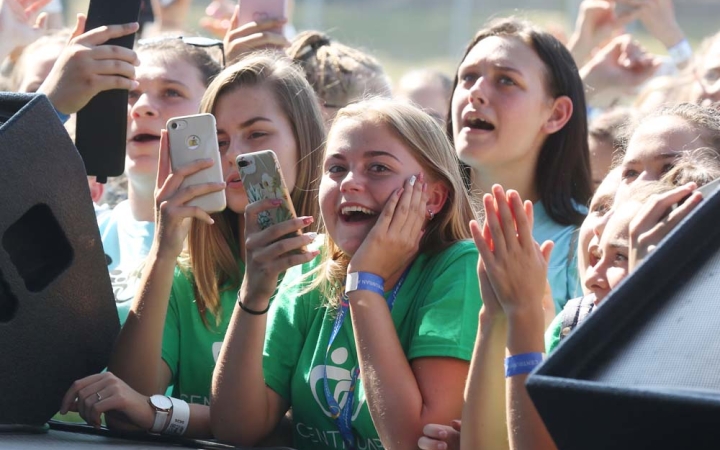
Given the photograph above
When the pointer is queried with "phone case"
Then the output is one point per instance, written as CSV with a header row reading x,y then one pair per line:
x,y
262,10
192,138
101,129
262,179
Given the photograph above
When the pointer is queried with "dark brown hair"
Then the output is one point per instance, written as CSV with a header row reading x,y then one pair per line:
x,y
562,175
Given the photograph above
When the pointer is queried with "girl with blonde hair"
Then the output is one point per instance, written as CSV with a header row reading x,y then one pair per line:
x,y
374,341
178,319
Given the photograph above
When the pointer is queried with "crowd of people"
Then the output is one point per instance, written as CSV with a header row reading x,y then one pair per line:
x,y
485,214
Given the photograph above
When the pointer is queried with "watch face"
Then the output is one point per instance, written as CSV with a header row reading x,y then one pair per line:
x,y
161,402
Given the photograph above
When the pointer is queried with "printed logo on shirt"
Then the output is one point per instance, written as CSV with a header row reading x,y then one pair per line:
x,y
338,382
124,283
333,439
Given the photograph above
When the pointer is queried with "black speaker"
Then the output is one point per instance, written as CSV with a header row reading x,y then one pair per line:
x,y
643,371
58,319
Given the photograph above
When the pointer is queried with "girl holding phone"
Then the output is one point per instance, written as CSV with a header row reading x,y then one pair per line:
x,y
379,326
178,320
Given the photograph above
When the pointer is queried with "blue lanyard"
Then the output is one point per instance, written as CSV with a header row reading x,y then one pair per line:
x,y
343,416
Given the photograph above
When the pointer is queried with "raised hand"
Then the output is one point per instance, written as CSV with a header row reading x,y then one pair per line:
x,y
217,17
172,215
87,67
597,22
248,37
617,69
21,23
656,219
658,18
395,238
516,265
267,253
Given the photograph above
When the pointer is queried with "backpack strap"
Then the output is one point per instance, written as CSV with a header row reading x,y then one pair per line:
x,y
575,311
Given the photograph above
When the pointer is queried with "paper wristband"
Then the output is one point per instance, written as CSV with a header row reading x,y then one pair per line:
x,y
364,281
681,52
179,419
522,363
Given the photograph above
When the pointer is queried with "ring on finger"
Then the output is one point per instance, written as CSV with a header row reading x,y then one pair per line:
x,y
99,397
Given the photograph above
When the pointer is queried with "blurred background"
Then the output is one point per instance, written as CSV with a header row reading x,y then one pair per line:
x,y
407,34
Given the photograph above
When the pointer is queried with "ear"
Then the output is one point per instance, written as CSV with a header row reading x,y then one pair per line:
x,y
562,109
438,195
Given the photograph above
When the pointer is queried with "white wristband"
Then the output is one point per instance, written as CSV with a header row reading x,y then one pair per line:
x,y
681,52
179,419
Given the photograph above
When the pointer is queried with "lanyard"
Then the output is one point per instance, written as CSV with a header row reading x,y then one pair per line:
x,y
343,416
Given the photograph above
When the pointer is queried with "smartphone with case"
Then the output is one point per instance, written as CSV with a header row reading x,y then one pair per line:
x,y
262,179
262,10
192,138
101,127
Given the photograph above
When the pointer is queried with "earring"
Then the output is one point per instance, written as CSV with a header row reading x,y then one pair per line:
x,y
432,214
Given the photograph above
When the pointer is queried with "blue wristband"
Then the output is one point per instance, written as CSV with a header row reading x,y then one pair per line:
x,y
364,281
63,117
522,363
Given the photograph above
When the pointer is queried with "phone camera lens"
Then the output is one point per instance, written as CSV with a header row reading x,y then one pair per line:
x,y
174,125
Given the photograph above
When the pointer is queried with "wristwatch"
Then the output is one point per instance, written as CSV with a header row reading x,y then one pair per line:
x,y
163,407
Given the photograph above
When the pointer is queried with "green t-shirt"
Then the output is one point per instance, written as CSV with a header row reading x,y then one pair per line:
x,y
435,314
190,348
552,334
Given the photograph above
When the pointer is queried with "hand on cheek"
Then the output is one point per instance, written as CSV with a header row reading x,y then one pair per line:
x,y
395,238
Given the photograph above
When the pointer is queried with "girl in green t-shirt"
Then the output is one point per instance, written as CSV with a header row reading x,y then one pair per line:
x,y
189,287
374,366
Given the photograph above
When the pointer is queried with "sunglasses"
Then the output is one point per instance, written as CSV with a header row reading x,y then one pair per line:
x,y
195,41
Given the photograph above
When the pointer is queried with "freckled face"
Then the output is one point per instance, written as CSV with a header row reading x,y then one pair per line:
x,y
365,163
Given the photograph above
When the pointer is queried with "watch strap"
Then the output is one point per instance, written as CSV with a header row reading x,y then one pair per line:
x,y
161,416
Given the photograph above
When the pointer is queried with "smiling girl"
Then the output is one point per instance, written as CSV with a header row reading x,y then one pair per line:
x,y
380,328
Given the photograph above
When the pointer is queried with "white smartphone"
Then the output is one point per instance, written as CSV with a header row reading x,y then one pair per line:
x,y
192,138
261,11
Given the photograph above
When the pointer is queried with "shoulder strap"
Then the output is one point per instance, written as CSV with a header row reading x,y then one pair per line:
x,y
570,315
575,312
587,304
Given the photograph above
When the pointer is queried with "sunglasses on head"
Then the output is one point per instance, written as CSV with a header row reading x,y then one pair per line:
x,y
195,41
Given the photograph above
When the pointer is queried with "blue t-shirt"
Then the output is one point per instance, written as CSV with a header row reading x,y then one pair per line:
x,y
562,270
126,242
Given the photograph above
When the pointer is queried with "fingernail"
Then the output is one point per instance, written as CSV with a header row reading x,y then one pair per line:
x,y
308,220
312,235
276,201
412,180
